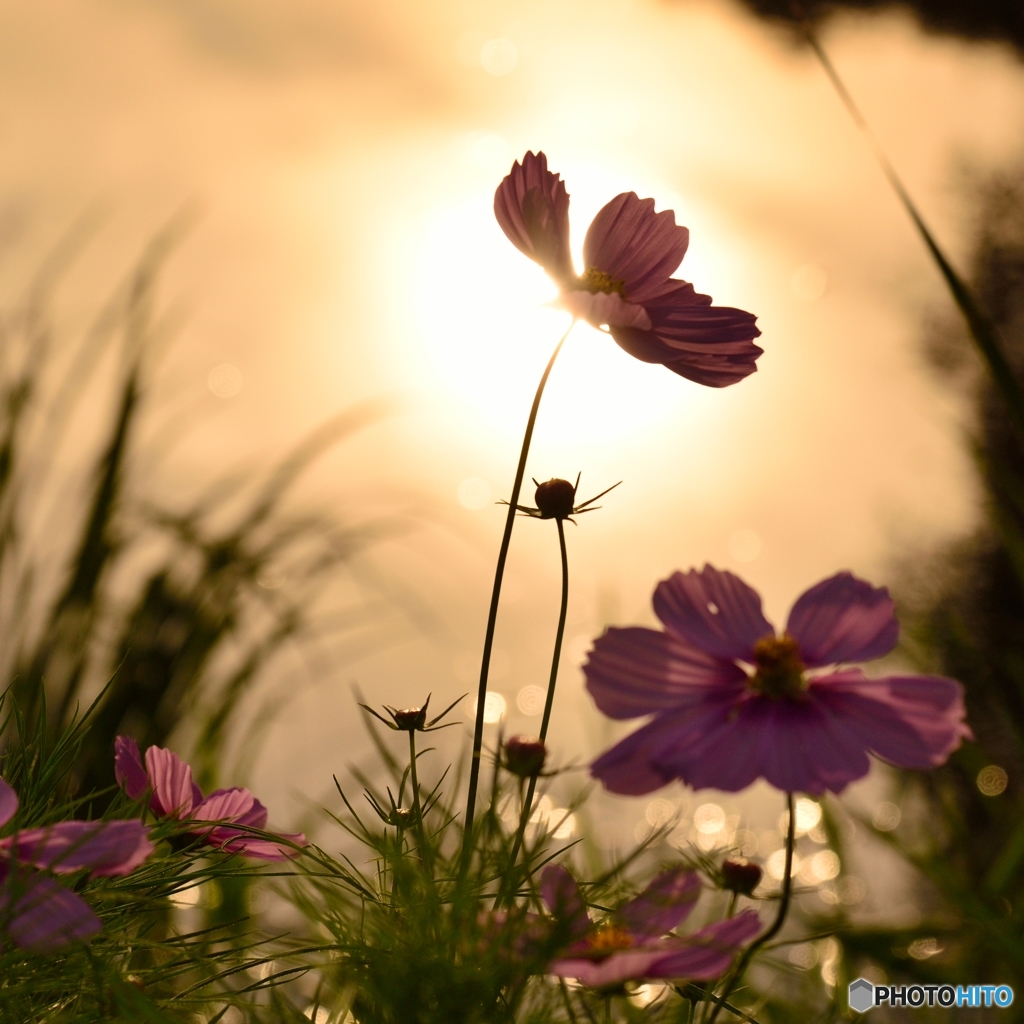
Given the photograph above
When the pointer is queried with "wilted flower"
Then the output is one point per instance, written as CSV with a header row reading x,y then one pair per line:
x,y
733,702
632,944
36,911
630,253
232,813
741,876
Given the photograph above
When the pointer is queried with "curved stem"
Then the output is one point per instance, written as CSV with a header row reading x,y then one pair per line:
x,y
780,919
492,615
556,656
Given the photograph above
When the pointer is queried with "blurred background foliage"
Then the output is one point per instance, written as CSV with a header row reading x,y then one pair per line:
x,y
167,615
998,20
960,828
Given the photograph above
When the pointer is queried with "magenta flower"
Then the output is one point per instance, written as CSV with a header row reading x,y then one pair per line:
x,y
233,813
630,253
632,944
36,911
733,702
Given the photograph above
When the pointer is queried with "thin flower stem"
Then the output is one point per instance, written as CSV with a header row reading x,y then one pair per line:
x,y
736,974
559,634
413,778
492,615
981,327
556,656
421,832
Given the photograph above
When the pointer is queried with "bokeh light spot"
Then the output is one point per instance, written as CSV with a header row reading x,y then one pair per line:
x,y
474,492
530,700
992,780
886,816
224,380
499,56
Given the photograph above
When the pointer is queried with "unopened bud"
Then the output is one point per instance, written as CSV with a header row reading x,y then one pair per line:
x,y
554,499
410,719
524,756
403,817
741,876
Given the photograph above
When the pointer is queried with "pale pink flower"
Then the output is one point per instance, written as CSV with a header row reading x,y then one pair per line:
x,y
232,813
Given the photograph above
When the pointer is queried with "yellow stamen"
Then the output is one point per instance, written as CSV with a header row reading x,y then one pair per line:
x,y
780,669
595,280
607,939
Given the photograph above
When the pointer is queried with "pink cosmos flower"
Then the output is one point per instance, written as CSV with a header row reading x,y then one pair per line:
x,y
630,253
733,702
36,911
632,944
232,812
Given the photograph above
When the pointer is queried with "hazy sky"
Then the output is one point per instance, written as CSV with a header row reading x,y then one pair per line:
x,y
344,157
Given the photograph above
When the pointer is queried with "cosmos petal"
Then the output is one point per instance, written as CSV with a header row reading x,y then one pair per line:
x,y
714,611
8,803
639,671
663,905
631,243
843,618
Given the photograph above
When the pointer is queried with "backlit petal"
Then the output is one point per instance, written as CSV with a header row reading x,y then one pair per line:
x,y
174,792
714,611
128,767
631,243
562,895
709,952
8,803
841,619
910,721
600,308
44,914
663,905
104,847
532,207
638,671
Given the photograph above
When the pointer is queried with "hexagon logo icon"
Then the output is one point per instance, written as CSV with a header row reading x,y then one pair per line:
x,y
862,995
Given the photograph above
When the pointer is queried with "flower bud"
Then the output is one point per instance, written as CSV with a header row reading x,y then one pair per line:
x,y
741,876
403,817
524,756
410,719
554,499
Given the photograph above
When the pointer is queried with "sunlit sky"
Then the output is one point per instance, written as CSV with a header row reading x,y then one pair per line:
x,y
344,156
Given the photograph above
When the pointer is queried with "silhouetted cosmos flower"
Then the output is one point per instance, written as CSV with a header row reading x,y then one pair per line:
x,y
631,944
733,702
36,911
630,253
232,813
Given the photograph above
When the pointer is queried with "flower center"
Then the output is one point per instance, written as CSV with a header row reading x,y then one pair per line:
x,y
780,669
595,281
608,939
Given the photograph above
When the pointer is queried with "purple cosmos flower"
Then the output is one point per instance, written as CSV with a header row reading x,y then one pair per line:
x,y
630,253
232,812
631,944
36,911
733,702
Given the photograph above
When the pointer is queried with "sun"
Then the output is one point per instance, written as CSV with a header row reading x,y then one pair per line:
x,y
486,322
